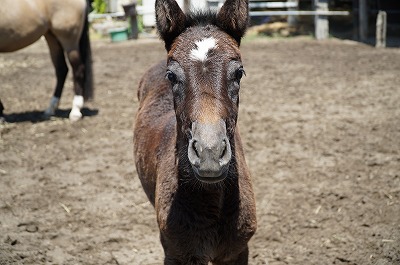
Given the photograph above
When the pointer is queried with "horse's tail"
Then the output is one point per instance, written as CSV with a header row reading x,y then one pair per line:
x,y
86,54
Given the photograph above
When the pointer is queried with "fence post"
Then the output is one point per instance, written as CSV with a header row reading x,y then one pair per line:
x,y
293,19
321,22
186,6
355,19
131,14
381,30
363,20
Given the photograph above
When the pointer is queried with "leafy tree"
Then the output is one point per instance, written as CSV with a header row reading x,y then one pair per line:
x,y
99,6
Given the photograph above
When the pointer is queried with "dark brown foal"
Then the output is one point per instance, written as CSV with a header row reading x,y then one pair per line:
x,y
188,152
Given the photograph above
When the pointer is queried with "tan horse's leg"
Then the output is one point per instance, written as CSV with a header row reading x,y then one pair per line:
x,y
68,27
79,76
2,119
61,69
70,45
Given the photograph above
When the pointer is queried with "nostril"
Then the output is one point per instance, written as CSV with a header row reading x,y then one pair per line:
x,y
226,153
195,148
193,153
224,149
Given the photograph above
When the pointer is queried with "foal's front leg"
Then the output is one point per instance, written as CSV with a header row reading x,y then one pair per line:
x,y
184,261
241,259
176,256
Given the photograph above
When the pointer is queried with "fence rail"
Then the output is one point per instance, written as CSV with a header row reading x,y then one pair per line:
x,y
299,13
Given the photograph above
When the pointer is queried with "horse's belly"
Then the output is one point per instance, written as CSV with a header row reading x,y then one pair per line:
x,y
21,24
13,43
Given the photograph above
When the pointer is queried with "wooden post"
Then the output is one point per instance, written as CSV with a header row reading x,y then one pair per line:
x,y
131,14
186,6
293,19
363,20
355,19
381,30
321,22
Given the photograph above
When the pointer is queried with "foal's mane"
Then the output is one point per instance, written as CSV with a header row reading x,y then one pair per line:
x,y
201,18
197,18
210,17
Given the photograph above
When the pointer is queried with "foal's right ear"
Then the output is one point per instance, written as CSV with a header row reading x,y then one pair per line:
x,y
170,21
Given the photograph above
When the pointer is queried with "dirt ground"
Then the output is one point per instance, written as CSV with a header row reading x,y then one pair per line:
x,y
321,126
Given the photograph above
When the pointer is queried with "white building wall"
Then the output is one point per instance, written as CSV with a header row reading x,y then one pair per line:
x,y
147,8
114,6
149,18
198,4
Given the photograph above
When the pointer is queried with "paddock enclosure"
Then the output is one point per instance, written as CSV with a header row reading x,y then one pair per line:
x,y
320,122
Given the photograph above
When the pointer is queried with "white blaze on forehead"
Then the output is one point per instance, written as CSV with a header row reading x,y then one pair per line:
x,y
202,48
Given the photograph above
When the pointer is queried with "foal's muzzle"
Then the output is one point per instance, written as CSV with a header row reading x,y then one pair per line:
x,y
209,151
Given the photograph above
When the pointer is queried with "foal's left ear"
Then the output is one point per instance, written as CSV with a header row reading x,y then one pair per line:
x,y
170,19
233,18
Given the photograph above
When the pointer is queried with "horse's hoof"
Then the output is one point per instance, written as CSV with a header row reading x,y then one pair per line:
x,y
75,115
2,120
45,116
47,113
51,110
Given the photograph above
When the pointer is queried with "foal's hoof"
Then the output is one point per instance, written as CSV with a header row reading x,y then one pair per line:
x,y
75,115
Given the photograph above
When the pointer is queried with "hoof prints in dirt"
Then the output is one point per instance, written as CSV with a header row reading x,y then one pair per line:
x,y
320,124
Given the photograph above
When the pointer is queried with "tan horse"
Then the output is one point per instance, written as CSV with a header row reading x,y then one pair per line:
x,y
64,24
188,152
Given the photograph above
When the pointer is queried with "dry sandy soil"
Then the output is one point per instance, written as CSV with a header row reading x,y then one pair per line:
x,y
321,126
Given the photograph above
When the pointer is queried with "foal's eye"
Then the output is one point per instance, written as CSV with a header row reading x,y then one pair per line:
x,y
239,73
171,77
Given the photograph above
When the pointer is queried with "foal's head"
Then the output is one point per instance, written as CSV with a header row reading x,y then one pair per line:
x,y
204,69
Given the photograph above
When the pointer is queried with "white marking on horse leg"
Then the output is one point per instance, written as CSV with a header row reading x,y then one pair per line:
x,y
51,110
202,48
77,105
